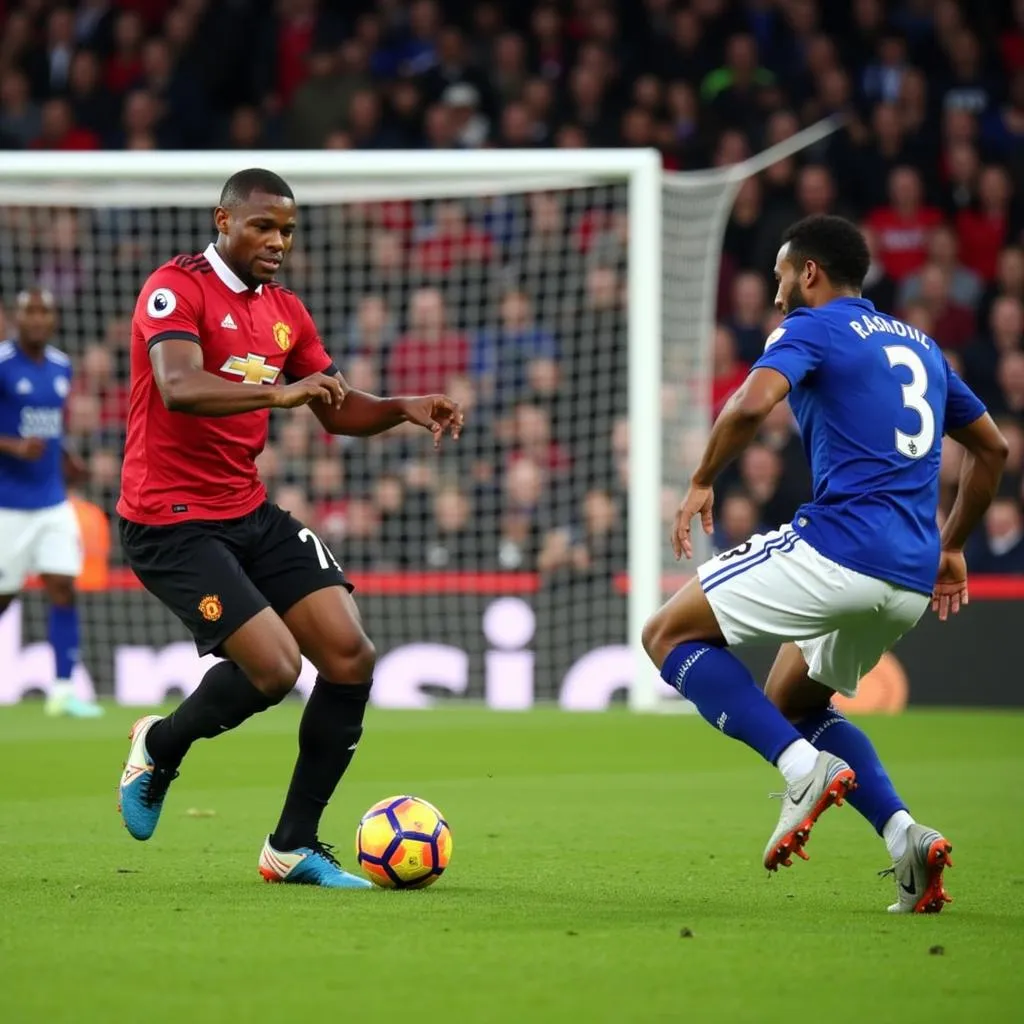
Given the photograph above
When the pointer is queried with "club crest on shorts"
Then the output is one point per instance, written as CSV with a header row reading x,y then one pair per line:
x,y
282,335
211,608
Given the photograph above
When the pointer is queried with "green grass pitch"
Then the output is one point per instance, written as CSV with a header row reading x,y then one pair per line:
x,y
605,868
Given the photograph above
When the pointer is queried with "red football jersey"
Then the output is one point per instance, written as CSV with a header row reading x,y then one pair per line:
x,y
178,466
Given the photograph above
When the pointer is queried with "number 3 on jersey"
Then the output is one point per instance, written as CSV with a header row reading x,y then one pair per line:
x,y
323,552
913,446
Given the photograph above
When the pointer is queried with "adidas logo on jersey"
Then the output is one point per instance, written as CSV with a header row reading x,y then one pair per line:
x,y
24,386
229,323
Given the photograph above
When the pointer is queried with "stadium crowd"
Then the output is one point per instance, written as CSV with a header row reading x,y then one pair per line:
x,y
519,309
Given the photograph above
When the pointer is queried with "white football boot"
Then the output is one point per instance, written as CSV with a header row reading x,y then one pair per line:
x,y
804,801
918,873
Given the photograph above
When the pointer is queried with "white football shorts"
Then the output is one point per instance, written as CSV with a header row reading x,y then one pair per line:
x,y
777,588
41,540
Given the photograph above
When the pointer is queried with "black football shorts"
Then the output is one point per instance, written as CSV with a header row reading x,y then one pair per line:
x,y
215,575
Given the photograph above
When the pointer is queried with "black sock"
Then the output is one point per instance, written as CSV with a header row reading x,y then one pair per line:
x,y
328,733
223,699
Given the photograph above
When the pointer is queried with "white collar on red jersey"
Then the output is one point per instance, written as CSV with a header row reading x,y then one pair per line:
x,y
225,273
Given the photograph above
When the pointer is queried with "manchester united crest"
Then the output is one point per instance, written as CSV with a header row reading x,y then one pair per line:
x,y
282,335
210,608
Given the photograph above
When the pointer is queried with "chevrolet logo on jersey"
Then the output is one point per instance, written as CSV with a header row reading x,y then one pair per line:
x,y
282,335
252,369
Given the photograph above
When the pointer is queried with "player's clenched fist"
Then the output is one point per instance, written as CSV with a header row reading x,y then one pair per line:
x,y
317,387
437,413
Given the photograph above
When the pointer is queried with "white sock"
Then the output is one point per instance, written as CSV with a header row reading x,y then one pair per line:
x,y
62,689
894,832
796,760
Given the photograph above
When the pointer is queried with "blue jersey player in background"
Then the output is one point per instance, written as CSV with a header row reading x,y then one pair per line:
x,y
860,562
38,528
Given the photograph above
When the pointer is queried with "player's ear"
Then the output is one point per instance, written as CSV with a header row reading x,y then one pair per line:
x,y
221,218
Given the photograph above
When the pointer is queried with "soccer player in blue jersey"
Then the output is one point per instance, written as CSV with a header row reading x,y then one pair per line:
x,y
38,528
860,562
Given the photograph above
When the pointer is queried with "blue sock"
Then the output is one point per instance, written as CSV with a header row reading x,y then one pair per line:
x,y
63,636
875,797
725,694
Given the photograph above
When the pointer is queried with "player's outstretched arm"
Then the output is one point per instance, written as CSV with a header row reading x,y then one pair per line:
x,y
186,387
735,428
362,414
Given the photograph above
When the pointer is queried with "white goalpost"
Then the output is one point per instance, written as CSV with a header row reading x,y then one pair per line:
x,y
520,569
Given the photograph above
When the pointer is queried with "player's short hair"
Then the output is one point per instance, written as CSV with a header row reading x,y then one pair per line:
x,y
242,184
834,243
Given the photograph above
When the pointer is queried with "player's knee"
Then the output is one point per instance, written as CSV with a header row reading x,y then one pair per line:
x,y
349,661
655,638
276,674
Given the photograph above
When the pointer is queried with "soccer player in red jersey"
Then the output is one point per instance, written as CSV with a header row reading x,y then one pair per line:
x,y
217,343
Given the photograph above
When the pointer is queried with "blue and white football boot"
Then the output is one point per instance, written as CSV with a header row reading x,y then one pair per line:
x,y
143,785
308,865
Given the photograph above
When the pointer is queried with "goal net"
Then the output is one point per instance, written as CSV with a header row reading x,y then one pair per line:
x,y
515,566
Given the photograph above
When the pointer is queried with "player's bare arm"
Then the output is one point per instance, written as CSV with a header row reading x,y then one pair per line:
x,y
734,429
363,414
186,387
982,470
28,448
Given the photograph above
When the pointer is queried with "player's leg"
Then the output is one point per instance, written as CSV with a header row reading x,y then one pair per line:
x,y
193,570
329,632
773,587
836,663
808,705
304,583
57,557
64,635
684,641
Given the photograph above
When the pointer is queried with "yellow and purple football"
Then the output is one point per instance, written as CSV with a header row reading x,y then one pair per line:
x,y
403,842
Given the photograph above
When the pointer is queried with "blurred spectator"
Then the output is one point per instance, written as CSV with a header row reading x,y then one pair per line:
x,y
508,71
246,129
1005,335
94,531
1009,281
952,323
902,227
943,251
987,227
879,287
92,105
1003,127
425,358
523,517
454,538
452,242
728,370
57,129
738,92
20,116
749,305
1000,546
371,330
324,99
95,375
969,86
454,67
532,440
469,124
737,520
124,65
60,47
505,358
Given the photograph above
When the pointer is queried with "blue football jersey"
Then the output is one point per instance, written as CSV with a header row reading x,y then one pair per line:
x,y
32,399
873,397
